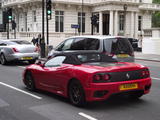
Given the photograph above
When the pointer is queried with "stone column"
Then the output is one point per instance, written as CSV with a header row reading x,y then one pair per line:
x,y
136,25
100,23
111,23
116,23
132,24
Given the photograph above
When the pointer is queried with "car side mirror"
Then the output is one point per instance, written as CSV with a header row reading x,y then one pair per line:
x,y
40,63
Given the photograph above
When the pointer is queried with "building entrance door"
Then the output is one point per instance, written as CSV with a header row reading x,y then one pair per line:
x,y
105,24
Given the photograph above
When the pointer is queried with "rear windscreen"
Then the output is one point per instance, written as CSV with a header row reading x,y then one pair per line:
x,y
121,46
94,57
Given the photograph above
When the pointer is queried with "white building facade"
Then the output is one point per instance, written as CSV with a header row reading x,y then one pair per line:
x,y
131,18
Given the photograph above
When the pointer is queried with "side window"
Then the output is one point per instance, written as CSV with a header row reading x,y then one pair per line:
x,y
78,44
55,62
91,44
66,45
3,44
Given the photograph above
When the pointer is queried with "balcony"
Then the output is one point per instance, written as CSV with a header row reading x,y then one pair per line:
x,y
6,3
143,6
154,7
95,1
89,2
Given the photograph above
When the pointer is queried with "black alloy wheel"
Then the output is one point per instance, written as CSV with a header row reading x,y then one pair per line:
x,y
76,93
30,84
3,59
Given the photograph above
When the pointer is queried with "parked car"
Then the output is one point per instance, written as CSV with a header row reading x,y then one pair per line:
x,y
87,76
17,50
115,46
134,43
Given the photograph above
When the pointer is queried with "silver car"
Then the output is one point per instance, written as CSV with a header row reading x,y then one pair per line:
x,y
17,50
117,47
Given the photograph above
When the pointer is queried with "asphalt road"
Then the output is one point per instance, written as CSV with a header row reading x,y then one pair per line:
x,y
17,103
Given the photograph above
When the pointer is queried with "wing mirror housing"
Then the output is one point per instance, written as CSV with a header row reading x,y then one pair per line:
x,y
40,63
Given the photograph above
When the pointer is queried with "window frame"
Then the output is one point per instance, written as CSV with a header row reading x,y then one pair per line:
x,y
140,18
82,21
59,48
56,65
59,21
34,17
121,22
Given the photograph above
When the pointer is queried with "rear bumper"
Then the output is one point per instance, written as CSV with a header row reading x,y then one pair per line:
x,y
108,89
22,56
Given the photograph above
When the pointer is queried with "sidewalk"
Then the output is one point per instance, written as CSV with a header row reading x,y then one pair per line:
x,y
147,57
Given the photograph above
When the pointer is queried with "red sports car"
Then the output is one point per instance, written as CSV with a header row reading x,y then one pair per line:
x,y
84,77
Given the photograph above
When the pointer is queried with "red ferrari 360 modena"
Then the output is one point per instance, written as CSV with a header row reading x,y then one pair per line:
x,y
85,77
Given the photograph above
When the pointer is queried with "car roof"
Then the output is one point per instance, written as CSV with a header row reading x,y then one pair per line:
x,y
97,36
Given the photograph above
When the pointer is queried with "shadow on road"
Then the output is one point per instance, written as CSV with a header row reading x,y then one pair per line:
x,y
18,63
113,102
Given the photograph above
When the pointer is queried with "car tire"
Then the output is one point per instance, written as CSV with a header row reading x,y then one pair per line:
x,y
29,81
3,59
76,93
32,61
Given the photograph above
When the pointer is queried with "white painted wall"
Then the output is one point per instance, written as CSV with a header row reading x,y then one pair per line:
x,y
151,46
147,21
156,33
128,24
147,1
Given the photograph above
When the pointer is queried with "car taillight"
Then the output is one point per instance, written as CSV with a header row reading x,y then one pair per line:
x,y
36,49
15,49
145,73
101,77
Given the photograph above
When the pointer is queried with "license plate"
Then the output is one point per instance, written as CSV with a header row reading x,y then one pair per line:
x,y
26,58
128,86
122,55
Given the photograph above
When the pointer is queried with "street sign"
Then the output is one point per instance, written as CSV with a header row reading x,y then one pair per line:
x,y
74,26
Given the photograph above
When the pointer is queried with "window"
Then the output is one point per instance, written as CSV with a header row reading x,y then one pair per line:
x,y
139,23
59,21
121,22
3,44
66,45
34,16
89,57
78,44
98,24
81,21
96,27
121,46
85,44
55,62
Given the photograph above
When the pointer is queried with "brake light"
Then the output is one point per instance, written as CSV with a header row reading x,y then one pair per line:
x,y
101,77
145,73
106,77
97,77
15,49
